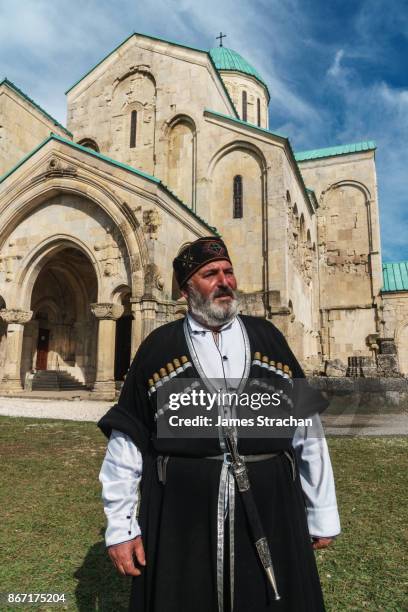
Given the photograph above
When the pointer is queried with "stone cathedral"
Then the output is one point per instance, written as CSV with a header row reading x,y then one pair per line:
x,y
166,143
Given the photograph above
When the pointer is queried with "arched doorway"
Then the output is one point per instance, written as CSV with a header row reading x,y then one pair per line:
x,y
123,339
62,333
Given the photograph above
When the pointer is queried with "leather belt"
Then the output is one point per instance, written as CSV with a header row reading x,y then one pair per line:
x,y
162,461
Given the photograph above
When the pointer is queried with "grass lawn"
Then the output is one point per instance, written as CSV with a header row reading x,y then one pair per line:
x,y
51,532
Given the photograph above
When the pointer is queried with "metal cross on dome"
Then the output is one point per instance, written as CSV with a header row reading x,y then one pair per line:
x,y
220,37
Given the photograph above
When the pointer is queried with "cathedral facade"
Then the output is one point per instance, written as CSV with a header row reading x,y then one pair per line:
x,y
166,143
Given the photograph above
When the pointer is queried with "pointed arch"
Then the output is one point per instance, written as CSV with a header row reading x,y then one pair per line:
x,y
28,198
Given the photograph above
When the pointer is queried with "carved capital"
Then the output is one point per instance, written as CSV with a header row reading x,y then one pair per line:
x,y
11,315
106,310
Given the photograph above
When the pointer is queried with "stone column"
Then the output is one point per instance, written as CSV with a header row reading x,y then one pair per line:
x,y
15,319
107,315
35,324
149,317
136,328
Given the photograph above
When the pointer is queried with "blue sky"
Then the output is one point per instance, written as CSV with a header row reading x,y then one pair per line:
x,y
336,70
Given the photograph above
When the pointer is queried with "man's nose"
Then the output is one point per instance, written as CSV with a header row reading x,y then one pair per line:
x,y
223,280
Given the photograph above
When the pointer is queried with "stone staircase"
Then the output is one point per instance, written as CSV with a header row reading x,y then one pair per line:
x,y
56,380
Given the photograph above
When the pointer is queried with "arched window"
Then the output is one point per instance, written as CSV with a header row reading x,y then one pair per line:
x,y
237,199
244,106
302,228
288,198
133,128
89,143
295,224
258,112
182,158
309,239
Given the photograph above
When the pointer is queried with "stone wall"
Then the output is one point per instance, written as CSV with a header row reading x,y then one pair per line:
x,y
159,81
394,324
236,84
160,108
22,127
199,155
349,258
79,235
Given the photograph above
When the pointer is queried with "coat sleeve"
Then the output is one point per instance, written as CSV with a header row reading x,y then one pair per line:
x,y
133,414
120,476
316,477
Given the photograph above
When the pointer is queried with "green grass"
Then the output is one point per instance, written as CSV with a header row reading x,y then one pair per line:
x,y
52,520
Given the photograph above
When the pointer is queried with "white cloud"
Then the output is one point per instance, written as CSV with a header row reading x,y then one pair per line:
x,y
336,69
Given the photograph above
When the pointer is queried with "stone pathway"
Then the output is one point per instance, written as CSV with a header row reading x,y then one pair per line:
x,y
41,408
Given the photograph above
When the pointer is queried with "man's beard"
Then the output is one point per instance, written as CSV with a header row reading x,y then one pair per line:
x,y
208,312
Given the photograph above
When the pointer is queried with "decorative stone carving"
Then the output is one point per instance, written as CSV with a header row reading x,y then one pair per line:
x,y
109,254
11,315
8,266
152,222
159,282
54,164
106,310
55,167
153,279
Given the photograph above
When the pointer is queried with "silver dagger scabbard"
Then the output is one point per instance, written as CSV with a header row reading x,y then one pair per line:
x,y
265,557
240,471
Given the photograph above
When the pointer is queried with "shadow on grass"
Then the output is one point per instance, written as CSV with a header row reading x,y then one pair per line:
x,y
99,586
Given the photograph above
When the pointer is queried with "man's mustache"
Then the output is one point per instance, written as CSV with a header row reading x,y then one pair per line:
x,y
223,292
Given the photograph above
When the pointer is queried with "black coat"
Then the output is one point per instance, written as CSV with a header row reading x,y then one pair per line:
x,y
180,519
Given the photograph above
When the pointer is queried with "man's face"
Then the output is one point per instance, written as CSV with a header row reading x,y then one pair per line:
x,y
211,295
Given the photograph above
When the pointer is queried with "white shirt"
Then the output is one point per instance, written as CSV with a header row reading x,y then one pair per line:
x,y
121,470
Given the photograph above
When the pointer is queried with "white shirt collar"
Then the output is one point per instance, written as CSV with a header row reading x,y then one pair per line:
x,y
197,327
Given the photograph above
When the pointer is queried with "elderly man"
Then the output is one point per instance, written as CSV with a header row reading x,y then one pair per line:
x,y
180,521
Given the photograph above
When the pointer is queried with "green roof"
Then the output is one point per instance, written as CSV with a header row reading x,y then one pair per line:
x,y
358,147
395,276
113,162
228,59
30,101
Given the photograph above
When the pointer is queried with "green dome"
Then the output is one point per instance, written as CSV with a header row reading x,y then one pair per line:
x,y
227,59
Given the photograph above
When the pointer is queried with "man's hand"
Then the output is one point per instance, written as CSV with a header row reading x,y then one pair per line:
x,y
319,543
122,556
